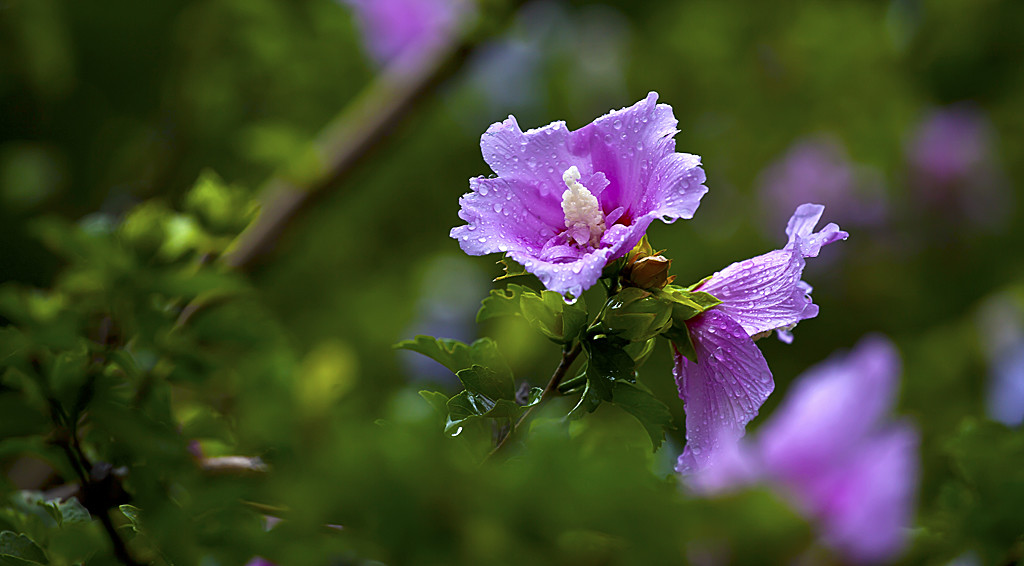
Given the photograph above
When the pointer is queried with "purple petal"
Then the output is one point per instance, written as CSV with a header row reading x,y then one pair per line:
x,y
506,215
627,144
404,30
865,502
802,236
569,278
765,293
829,410
536,157
723,391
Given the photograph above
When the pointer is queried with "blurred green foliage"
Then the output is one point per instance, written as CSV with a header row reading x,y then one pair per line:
x,y
134,138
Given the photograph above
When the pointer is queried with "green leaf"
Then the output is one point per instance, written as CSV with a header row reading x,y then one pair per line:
x,y
20,546
482,380
550,315
457,356
607,363
73,512
467,406
639,402
438,401
499,303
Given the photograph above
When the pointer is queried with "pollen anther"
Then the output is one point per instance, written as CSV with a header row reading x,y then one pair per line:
x,y
584,220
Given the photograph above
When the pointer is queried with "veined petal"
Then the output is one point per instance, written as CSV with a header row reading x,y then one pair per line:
x,y
628,144
829,410
802,236
537,157
765,293
570,277
723,391
505,215
675,188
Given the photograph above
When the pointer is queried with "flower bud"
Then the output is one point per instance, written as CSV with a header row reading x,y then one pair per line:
x,y
650,272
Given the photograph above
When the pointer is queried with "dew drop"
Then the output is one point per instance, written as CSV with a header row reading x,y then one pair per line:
x,y
617,124
607,138
639,146
483,190
577,268
497,207
502,248
457,432
482,239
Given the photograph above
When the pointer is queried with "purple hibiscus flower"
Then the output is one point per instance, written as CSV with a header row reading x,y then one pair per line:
x,y
830,450
953,168
730,380
402,32
565,203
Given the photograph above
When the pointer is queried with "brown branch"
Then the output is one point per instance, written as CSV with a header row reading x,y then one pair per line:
x,y
353,135
568,357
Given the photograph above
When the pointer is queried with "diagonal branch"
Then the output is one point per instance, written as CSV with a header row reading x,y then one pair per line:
x,y
353,135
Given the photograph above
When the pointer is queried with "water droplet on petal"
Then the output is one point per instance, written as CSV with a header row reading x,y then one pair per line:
x,y
617,124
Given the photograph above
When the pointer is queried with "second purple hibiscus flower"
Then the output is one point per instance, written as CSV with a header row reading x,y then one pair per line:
x,y
728,380
565,203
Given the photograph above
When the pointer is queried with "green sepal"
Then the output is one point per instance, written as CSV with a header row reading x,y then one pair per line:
x,y
636,315
687,304
680,338
640,351
511,268
588,403
698,284
638,401
457,356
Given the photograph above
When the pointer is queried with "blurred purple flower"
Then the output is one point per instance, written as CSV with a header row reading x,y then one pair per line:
x,y
818,170
1002,333
258,561
953,168
403,32
565,203
831,449
730,380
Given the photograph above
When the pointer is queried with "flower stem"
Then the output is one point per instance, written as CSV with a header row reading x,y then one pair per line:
x,y
568,357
